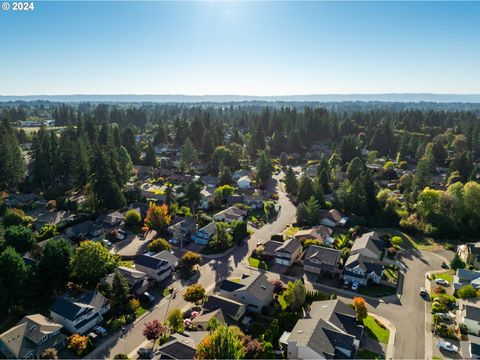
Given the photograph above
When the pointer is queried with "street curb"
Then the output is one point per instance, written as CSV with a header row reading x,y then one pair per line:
x,y
391,340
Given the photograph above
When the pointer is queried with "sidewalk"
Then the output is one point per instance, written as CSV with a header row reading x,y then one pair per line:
x,y
428,317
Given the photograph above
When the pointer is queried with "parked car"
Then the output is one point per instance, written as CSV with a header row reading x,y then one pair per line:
x,y
355,286
423,292
443,316
100,330
444,265
442,282
144,353
149,296
92,336
446,345
107,242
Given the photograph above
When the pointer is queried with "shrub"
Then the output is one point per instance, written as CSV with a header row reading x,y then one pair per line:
x,y
158,245
438,290
277,237
13,217
77,343
116,323
396,240
467,292
132,217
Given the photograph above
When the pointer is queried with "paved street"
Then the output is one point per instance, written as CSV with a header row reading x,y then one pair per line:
x,y
406,311
211,274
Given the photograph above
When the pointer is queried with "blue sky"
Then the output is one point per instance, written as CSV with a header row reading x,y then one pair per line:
x,y
251,48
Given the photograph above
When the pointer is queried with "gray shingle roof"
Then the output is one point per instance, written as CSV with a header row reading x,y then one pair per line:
x,y
228,306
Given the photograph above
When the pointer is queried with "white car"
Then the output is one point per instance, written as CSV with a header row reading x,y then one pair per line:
x,y
443,316
445,345
442,282
355,286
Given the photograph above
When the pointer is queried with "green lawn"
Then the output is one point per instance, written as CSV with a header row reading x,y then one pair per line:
x,y
418,241
367,354
259,264
375,331
376,290
290,231
447,275
127,263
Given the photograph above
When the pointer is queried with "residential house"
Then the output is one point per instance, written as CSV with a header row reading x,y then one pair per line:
x,y
181,228
201,321
369,245
234,199
111,221
154,192
203,235
469,315
206,198
244,182
319,259
20,200
465,277
329,331
359,268
86,230
234,309
155,266
142,172
333,218
137,280
43,216
81,314
283,253
230,214
255,201
240,173
470,254
181,346
169,257
320,233
473,350
210,181
30,337
254,290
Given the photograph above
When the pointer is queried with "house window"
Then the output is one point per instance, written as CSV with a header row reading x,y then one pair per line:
x,y
45,338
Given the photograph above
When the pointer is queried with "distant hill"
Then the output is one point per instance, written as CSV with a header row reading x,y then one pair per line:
x,y
326,98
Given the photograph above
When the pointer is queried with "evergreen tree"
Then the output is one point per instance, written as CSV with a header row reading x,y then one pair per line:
x,y
189,155
305,188
120,292
264,168
291,185
105,189
150,158
12,164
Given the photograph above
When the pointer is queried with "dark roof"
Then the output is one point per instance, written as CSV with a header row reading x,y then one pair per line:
x,y
472,312
209,229
474,349
289,246
70,308
175,349
321,256
370,241
330,327
228,307
367,264
229,285
150,261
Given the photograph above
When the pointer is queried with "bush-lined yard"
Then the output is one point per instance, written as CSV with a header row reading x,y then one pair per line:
x,y
376,330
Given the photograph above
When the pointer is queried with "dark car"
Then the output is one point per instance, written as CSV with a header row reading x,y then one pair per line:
x,y
444,265
145,353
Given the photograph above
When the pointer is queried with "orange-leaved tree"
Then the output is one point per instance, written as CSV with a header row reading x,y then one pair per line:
x,y
157,217
360,308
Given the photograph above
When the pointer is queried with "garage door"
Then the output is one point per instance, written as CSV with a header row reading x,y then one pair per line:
x,y
281,261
